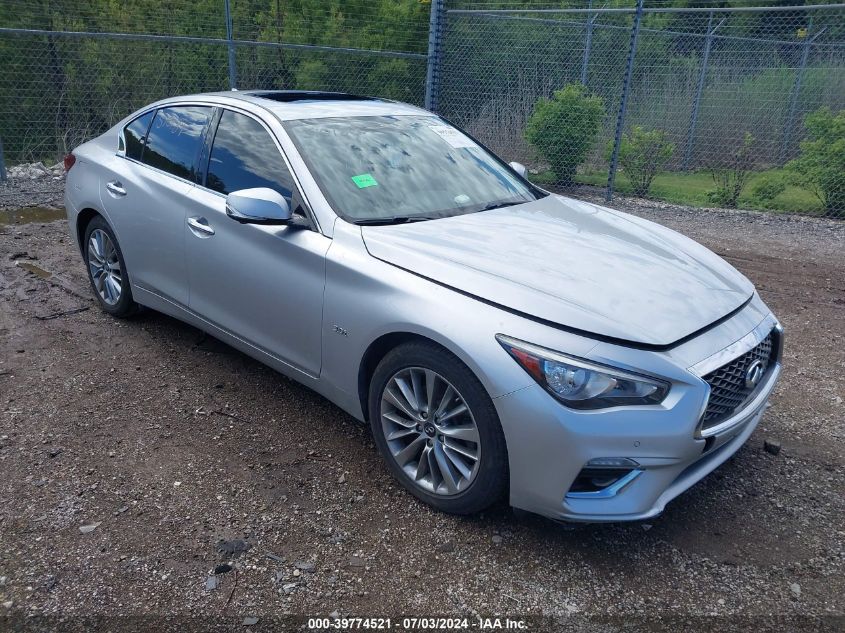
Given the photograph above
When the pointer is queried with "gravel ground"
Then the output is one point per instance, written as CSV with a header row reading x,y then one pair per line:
x,y
138,456
42,190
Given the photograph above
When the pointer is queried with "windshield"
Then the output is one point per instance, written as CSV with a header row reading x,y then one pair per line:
x,y
403,168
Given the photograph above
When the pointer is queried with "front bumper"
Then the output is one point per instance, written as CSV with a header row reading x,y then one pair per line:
x,y
553,445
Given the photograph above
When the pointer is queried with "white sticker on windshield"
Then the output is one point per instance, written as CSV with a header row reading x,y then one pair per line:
x,y
452,136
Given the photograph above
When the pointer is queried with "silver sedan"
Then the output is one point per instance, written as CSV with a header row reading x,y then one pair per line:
x,y
501,341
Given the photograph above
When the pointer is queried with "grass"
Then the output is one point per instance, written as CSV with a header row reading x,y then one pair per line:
x,y
690,189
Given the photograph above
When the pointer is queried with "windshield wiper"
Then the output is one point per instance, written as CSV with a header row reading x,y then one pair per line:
x,y
396,219
499,205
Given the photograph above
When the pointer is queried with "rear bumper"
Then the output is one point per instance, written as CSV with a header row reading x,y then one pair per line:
x,y
672,457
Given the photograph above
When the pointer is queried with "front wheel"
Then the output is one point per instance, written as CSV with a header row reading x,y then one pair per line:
x,y
437,428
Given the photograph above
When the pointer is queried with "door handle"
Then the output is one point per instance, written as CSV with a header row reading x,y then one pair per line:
x,y
200,225
116,188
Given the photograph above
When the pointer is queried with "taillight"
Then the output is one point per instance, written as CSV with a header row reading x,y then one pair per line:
x,y
69,161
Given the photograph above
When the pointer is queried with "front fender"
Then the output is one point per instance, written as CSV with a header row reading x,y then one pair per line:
x,y
366,298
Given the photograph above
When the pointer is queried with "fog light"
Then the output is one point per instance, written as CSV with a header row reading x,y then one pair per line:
x,y
604,477
612,462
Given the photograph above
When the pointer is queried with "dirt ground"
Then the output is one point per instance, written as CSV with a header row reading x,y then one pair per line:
x,y
183,453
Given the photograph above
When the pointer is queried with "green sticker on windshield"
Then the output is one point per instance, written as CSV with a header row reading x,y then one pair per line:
x,y
364,180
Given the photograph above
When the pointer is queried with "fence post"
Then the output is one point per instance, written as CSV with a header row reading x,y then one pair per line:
x,y
233,69
708,42
588,44
796,90
2,163
623,105
435,44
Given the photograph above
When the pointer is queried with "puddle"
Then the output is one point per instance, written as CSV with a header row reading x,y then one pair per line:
x,y
31,215
35,270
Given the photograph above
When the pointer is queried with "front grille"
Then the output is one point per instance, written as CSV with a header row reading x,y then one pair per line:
x,y
728,391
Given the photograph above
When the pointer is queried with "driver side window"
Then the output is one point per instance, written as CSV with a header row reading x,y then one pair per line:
x,y
244,156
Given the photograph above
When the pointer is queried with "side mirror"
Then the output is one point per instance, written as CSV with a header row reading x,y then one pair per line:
x,y
520,169
258,206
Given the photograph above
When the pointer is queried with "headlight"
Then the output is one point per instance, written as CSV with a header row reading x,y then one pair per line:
x,y
581,384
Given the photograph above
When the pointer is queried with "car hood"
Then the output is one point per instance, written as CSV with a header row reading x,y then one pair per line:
x,y
574,264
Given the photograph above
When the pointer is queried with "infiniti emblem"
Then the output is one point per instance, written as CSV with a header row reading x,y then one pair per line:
x,y
754,374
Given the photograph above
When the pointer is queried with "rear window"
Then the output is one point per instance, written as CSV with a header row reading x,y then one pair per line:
x,y
135,134
174,140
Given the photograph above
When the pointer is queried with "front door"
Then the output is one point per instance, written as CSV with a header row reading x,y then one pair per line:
x,y
263,284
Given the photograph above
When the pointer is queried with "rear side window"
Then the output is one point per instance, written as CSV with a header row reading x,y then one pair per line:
x,y
135,134
175,138
244,156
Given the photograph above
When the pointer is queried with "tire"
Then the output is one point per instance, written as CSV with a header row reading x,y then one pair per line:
x,y
445,438
107,269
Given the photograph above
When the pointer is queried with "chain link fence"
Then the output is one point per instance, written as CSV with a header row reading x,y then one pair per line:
x,y
705,106
71,69
701,105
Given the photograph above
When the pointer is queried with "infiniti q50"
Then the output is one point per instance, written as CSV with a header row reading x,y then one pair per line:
x,y
500,340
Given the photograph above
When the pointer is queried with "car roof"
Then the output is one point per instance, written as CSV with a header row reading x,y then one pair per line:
x,y
289,105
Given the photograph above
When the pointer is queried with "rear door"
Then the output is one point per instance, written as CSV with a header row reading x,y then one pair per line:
x,y
263,284
145,191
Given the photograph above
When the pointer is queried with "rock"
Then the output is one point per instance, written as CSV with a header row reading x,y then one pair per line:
x,y
795,588
342,479
250,620
8,604
306,566
223,568
289,587
646,526
334,615
233,548
771,447
356,561
55,452
497,539
211,583
445,548
296,573
86,529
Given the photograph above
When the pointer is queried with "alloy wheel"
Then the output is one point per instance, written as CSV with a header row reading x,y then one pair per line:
x,y
104,266
430,431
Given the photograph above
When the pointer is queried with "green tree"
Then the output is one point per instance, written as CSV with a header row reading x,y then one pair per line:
x,y
563,129
821,165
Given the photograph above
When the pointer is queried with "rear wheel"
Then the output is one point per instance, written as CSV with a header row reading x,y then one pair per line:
x,y
437,428
107,270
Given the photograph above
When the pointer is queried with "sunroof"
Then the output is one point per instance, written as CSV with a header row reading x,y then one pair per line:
x,y
288,96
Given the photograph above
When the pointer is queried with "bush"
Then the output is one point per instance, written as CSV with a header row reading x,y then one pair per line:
x,y
642,154
731,175
821,165
766,189
563,129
